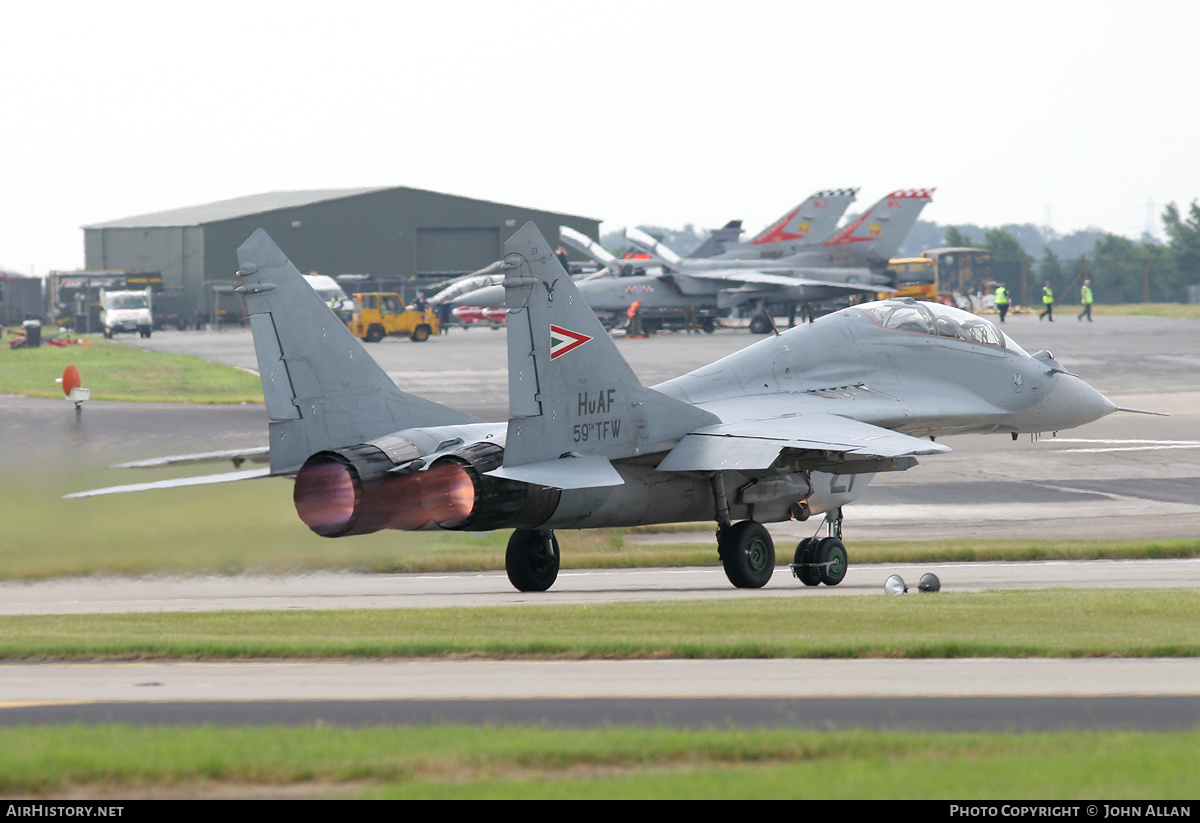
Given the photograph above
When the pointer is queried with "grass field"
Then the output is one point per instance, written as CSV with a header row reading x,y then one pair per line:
x,y
1180,310
252,526
457,762
1043,623
116,372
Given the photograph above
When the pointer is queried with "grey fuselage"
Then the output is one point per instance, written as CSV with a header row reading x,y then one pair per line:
x,y
846,365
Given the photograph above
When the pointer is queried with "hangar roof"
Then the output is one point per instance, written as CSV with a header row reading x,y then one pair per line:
x,y
230,209
248,205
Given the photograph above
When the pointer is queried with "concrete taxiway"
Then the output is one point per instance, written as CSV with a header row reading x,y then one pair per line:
x,y
334,590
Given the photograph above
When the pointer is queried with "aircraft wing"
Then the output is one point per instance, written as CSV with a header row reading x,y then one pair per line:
x,y
257,454
755,444
765,278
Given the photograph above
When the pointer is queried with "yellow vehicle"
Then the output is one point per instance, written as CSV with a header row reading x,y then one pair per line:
x,y
915,277
948,275
383,314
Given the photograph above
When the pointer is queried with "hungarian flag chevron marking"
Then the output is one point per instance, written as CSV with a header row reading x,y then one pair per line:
x,y
564,340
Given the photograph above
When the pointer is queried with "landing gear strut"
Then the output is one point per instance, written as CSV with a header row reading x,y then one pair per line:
x,y
825,560
531,560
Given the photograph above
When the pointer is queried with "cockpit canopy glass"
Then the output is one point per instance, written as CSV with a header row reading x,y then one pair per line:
x,y
934,319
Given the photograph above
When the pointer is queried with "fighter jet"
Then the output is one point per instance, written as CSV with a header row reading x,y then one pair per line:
x,y
793,427
812,221
808,224
853,260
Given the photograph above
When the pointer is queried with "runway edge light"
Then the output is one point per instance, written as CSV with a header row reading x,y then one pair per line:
x,y
72,386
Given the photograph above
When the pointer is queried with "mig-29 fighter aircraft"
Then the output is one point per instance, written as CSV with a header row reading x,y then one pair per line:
x,y
794,426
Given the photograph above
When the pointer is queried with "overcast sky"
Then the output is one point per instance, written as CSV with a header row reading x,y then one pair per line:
x,y
1074,113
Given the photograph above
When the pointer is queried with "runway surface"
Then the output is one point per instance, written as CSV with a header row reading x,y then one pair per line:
x,y
333,590
1126,476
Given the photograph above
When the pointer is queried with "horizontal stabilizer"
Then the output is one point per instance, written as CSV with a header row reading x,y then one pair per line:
x,y
565,473
755,444
178,482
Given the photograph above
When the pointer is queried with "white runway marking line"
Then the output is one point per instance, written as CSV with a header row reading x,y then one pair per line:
x,y
1139,445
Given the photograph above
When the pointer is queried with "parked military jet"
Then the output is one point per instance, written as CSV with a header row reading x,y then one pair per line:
x,y
810,223
792,427
852,261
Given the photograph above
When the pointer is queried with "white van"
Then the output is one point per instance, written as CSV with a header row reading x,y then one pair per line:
x,y
332,294
126,311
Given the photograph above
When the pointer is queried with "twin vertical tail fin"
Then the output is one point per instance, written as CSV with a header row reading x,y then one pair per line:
x,y
877,235
322,389
571,393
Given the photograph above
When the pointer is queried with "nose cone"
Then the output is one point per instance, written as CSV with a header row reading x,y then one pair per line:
x,y
481,298
1072,403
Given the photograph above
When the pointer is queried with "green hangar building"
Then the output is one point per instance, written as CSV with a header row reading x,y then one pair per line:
x,y
388,233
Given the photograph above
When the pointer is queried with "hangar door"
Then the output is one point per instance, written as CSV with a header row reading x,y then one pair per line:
x,y
456,250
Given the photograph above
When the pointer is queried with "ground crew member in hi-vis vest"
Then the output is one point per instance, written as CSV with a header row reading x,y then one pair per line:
x,y
1085,297
1048,302
635,319
1002,300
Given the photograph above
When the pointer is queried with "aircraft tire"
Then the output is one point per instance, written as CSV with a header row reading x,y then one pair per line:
x,y
833,552
808,575
525,561
707,325
748,554
375,334
759,325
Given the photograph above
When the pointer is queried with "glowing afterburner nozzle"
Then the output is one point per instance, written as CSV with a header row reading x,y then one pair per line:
x,y
353,491
325,496
447,493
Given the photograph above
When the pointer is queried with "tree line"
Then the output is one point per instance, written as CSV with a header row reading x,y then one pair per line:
x,y
1121,270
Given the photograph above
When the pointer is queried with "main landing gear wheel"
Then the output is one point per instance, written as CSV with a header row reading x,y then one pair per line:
x,y
831,561
748,554
803,561
531,560
759,324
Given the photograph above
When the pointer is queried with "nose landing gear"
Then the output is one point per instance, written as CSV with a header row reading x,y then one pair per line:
x,y
824,560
